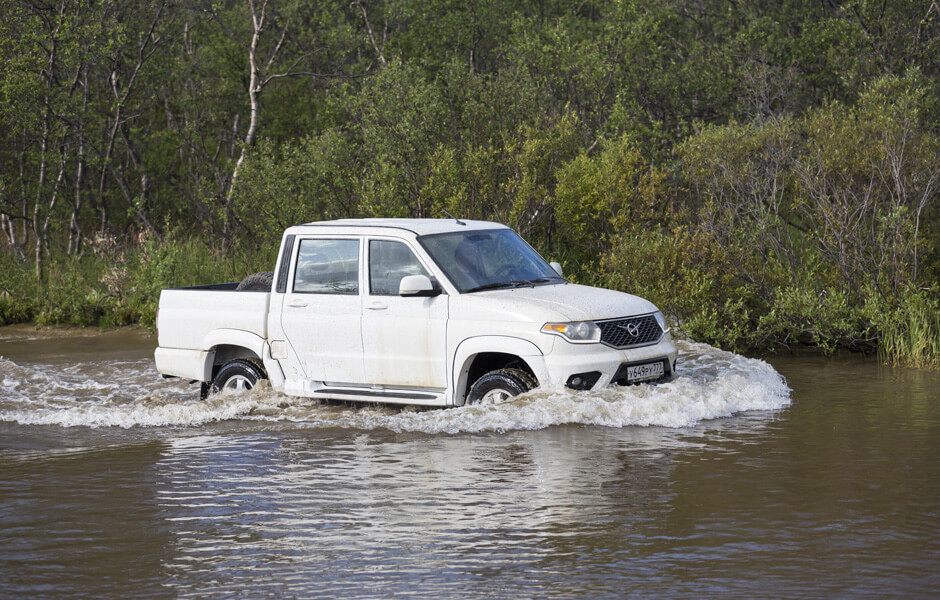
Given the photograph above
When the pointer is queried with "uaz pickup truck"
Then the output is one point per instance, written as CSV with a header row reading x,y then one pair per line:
x,y
436,312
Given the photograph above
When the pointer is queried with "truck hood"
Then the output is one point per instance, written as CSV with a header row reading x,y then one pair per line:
x,y
566,302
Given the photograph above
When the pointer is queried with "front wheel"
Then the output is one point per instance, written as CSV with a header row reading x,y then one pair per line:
x,y
239,375
498,386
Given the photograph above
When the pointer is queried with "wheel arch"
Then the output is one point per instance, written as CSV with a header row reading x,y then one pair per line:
x,y
479,355
225,345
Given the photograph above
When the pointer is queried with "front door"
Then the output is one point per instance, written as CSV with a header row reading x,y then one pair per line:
x,y
403,338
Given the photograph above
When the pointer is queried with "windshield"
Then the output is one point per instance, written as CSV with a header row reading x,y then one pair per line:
x,y
483,260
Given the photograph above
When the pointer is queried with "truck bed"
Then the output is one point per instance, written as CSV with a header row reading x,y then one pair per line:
x,y
189,315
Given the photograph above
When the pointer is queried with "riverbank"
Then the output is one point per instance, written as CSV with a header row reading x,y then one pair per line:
x,y
117,284
136,341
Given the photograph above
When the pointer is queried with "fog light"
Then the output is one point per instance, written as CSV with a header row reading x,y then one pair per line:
x,y
583,381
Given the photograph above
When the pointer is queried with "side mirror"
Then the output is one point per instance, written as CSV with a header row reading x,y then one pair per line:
x,y
557,267
418,286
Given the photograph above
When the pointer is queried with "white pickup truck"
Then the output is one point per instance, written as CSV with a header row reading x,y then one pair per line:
x,y
414,311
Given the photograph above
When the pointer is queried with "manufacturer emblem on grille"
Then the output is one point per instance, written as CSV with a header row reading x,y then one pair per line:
x,y
630,328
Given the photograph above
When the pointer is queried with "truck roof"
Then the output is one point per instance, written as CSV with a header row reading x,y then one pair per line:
x,y
416,226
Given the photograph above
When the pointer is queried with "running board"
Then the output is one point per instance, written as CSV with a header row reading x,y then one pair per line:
x,y
375,394
367,393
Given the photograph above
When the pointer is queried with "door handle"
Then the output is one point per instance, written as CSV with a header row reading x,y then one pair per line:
x,y
377,306
297,303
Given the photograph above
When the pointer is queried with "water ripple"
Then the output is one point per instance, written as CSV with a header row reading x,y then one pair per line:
x,y
710,384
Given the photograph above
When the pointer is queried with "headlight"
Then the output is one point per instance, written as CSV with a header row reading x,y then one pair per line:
x,y
662,322
583,332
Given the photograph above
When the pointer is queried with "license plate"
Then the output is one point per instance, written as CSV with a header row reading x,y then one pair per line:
x,y
653,370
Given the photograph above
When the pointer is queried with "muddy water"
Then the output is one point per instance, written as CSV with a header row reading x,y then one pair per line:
x,y
731,481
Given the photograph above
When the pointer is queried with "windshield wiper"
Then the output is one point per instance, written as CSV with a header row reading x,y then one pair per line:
x,y
515,283
501,285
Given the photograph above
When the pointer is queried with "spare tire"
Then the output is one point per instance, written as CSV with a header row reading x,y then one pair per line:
x,y
257,282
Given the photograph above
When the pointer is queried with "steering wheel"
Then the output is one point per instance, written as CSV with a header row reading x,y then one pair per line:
x,y
511,271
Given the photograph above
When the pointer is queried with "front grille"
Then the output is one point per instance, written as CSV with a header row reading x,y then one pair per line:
x,y
619,333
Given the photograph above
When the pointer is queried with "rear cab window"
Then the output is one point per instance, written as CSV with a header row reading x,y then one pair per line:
x,y
327,266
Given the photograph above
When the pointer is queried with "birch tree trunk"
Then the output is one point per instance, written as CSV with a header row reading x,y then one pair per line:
x,y
254,92
40,229
75,231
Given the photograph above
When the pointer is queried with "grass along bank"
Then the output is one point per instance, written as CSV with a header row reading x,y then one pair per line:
x,y
114,283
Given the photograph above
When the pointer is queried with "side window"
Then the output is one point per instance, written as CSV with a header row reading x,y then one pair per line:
x,y
327,267
389,263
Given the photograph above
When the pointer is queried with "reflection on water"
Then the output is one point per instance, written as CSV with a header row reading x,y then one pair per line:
x,y
116,484
379,514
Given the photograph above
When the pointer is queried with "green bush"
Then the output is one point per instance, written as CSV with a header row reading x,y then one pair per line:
x,y
687,275
118,283
17,293
910,334
602,194
683,273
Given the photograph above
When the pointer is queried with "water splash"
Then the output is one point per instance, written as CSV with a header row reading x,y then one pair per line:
x,y
710,384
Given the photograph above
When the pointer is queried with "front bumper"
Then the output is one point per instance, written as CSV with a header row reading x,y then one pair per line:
x,y
592,366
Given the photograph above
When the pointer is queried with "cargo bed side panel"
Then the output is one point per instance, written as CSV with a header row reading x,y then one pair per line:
x,y
189,315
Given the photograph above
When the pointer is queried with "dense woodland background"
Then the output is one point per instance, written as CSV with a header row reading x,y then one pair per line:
x,y
766,171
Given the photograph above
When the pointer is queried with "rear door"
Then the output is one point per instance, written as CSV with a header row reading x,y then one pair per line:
x,y
321,314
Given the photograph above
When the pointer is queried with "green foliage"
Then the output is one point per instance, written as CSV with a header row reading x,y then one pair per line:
x,y
866,176
803,314
598,196
117,283
400,120
766,172
684,273
823,219
16,303
68,295
178,262
910,334
313,178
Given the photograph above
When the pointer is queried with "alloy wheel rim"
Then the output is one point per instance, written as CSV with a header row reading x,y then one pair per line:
x,y
496,396
238,383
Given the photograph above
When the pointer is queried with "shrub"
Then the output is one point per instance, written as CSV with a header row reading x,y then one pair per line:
x,y
910,334
682,272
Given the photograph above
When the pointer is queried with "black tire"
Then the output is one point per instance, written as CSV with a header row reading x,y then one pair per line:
x,y
239,375
499,386
257,282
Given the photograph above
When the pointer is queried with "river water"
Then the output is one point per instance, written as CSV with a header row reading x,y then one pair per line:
x,y
800,477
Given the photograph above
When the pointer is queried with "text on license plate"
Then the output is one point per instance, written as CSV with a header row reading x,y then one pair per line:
x,y
648,371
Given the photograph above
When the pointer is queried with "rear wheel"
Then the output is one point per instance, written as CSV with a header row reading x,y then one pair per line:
x,y
239,375
501,385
